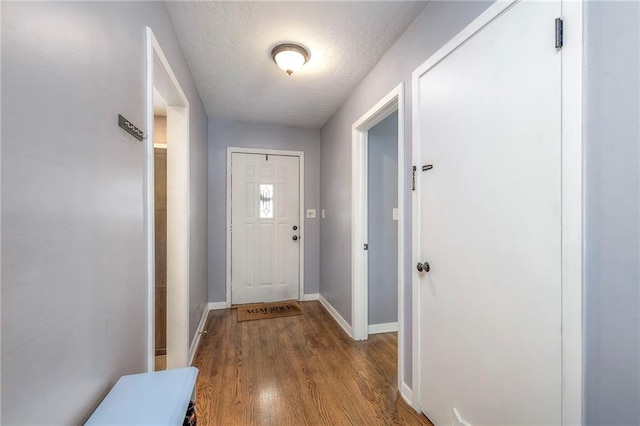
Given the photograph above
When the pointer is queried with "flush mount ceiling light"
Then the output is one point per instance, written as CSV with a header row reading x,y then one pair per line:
x,y
290,57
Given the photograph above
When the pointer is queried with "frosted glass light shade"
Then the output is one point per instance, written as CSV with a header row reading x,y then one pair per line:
x,y
290,57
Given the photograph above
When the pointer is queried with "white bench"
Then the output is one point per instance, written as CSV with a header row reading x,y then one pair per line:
x,y
159,398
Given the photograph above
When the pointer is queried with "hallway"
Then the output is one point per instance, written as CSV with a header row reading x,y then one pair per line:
x,y
296,370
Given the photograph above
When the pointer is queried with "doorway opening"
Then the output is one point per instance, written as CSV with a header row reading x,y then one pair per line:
x,y
160,233
371,135
382,225
163,85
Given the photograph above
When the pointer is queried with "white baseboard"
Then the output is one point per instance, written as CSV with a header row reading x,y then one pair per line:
x,y
196,338
310,297
407,394
388,327
214,306
336,316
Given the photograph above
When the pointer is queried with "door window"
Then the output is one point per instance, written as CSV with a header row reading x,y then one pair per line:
x,y
266,201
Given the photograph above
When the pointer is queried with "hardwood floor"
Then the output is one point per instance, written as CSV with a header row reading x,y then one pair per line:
x,y
300,370
161,362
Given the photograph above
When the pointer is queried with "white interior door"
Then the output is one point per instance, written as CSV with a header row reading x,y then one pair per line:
x,y
489,225
265,228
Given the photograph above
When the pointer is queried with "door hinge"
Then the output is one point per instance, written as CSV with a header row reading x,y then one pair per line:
x,y
413,178
366,246
559,33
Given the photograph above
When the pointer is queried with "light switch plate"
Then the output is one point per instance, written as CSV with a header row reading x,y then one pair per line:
x,y
311,213
395,213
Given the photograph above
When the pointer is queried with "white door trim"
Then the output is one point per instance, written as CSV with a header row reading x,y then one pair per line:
x,y
300,154
178,224
393,101
572,215
572,202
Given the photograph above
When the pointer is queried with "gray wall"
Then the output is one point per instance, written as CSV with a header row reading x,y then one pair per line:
x,y
223,134
436,25
74,292
612,213
382,151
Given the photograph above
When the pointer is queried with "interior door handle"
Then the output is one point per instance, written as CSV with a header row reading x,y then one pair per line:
x,y
423,267
295,238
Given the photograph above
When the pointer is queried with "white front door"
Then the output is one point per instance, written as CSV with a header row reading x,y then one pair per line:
x,y
265,228
489,122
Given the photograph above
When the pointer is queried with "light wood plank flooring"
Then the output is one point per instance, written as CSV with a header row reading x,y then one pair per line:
x,y
161,362
300,370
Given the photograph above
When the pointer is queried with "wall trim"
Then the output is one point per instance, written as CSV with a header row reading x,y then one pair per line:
x,y
178,224
336,316
300,154
309,297
407,394
196,338
572,215
388,327
216,306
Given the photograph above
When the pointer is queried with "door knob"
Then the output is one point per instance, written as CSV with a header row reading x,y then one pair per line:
x,y
423,267
295,227
295,238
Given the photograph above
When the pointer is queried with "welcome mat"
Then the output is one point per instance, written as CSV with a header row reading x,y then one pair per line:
x,y
258,311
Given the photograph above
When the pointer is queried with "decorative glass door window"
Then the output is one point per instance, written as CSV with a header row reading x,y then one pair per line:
x,y
266,201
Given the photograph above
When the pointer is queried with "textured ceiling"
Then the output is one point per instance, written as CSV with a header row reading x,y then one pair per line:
x,y
228,48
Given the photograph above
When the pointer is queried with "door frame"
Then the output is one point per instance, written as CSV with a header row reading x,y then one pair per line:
x,y
571,201
166,83
300,155
390,103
